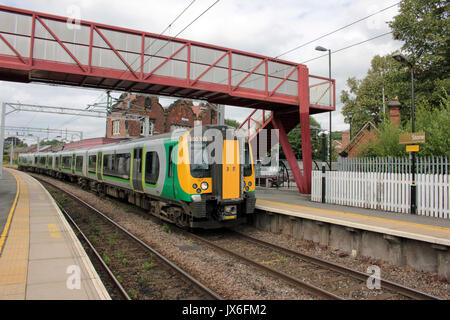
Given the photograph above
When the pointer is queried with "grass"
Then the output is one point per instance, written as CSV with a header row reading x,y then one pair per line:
x,y
165,227
132,294
106,258
144,280
94,230
120,255
147,265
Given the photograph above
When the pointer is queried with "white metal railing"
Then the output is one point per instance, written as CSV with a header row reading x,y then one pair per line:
x,y
384,191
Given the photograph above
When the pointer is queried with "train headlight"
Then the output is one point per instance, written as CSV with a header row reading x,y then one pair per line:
x,y
204,185
249,184
247,188
194,186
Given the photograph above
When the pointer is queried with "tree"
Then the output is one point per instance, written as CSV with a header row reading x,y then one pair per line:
x,y
295,139
232,123
433,121
53,142
364,100
423,26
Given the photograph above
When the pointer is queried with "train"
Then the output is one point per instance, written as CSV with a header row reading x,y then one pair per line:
x,y
178,177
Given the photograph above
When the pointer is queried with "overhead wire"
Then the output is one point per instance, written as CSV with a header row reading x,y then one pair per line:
x,y
318,38
337,30
168,26
171,39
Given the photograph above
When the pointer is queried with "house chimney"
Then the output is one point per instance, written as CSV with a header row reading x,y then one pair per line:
x,y
394,111
345,139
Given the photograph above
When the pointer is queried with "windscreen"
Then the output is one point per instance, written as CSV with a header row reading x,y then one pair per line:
x,y
199,159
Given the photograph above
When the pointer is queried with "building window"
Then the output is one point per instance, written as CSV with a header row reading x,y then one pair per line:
x,y
142,127
151,128
148,102
115,127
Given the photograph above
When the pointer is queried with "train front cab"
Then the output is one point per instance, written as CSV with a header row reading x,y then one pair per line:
x,y
221,192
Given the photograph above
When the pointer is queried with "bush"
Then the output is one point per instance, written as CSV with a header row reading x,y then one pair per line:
x,y
433,120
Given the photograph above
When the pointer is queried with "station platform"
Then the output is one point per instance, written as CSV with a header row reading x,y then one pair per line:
x,y
416,227
40,256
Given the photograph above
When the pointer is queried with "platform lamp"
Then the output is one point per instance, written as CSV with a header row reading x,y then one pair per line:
x,y
402,59
320,48
323,135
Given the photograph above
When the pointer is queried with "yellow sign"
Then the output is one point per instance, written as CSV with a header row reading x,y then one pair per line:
x,y
413,148
415,137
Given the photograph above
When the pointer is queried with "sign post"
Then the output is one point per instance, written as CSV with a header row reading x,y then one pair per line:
x,y
408,139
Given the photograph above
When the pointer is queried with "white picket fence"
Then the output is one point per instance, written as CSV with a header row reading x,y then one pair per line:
x,y
384,191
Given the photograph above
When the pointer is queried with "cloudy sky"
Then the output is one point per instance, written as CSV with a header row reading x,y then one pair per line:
x,y
259,26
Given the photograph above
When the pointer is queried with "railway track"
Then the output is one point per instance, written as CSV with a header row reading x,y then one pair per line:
x,y
322,278
163,278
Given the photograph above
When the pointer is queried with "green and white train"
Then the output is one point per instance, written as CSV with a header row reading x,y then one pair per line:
x,y
169,175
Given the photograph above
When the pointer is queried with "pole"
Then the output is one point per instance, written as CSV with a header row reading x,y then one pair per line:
x,y
324,159
329,75
2,138
11,153
413,156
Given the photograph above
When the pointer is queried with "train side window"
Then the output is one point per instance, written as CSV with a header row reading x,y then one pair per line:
x,y
170,172
117,165
66,162
108,164
79,163
151,167
123,165
92,163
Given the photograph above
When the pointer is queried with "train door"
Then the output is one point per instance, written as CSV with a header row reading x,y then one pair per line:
x,y
170,180
137,169
99,165
73,162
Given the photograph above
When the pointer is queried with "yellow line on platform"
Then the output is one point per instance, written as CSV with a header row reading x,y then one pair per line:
x,y
407,223
10,215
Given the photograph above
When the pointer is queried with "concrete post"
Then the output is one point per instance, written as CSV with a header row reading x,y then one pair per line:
x,y
11,153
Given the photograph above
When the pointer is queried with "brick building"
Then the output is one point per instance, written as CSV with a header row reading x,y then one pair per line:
x,y
351,148
156,119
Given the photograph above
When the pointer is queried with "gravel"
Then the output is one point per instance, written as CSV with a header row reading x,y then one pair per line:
x,y
232,279
223,274
423,281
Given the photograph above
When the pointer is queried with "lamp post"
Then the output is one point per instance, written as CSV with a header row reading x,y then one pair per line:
x,y
402,59
320,48
323,135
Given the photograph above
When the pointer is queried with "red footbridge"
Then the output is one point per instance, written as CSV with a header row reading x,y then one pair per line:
x,y
39,47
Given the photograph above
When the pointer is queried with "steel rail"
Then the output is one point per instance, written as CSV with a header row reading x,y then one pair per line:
x,y
97,255
297,282
398,288
187,276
